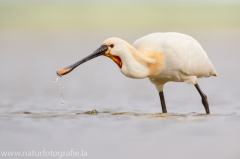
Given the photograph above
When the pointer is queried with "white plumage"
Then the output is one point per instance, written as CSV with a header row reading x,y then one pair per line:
x,y
162,57
182,59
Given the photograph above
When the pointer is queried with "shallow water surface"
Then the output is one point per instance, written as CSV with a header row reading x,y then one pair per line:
x,y
114,116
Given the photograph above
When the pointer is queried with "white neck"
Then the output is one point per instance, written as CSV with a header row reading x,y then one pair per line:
x,y
134,63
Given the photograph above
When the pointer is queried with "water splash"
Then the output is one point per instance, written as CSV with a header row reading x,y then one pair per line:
x,y
61,87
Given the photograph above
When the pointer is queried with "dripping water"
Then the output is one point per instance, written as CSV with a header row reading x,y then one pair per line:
x,y
63,100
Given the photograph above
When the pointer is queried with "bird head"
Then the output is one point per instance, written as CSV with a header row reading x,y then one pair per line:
x,y
111,48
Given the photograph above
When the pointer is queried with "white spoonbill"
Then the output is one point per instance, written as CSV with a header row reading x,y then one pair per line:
x,y
162,57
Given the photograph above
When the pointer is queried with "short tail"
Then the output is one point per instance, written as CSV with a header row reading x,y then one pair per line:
x,y
213,72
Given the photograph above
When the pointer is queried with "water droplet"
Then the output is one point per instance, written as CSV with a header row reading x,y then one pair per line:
x,y
74,106
61,87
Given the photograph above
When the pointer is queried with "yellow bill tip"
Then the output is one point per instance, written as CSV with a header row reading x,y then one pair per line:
x,y
62,71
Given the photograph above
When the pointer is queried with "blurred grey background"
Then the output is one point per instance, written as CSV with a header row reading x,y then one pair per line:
x,y
39,37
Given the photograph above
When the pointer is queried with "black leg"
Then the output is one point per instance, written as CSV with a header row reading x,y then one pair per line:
x,y
164,109
204,99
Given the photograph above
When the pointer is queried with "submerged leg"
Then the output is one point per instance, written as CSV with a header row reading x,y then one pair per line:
x,y
204,99
164,109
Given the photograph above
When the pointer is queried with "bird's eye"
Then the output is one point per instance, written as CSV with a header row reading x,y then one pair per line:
x,y
111,45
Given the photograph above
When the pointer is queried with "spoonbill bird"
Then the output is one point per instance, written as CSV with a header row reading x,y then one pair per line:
x,y
162,57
